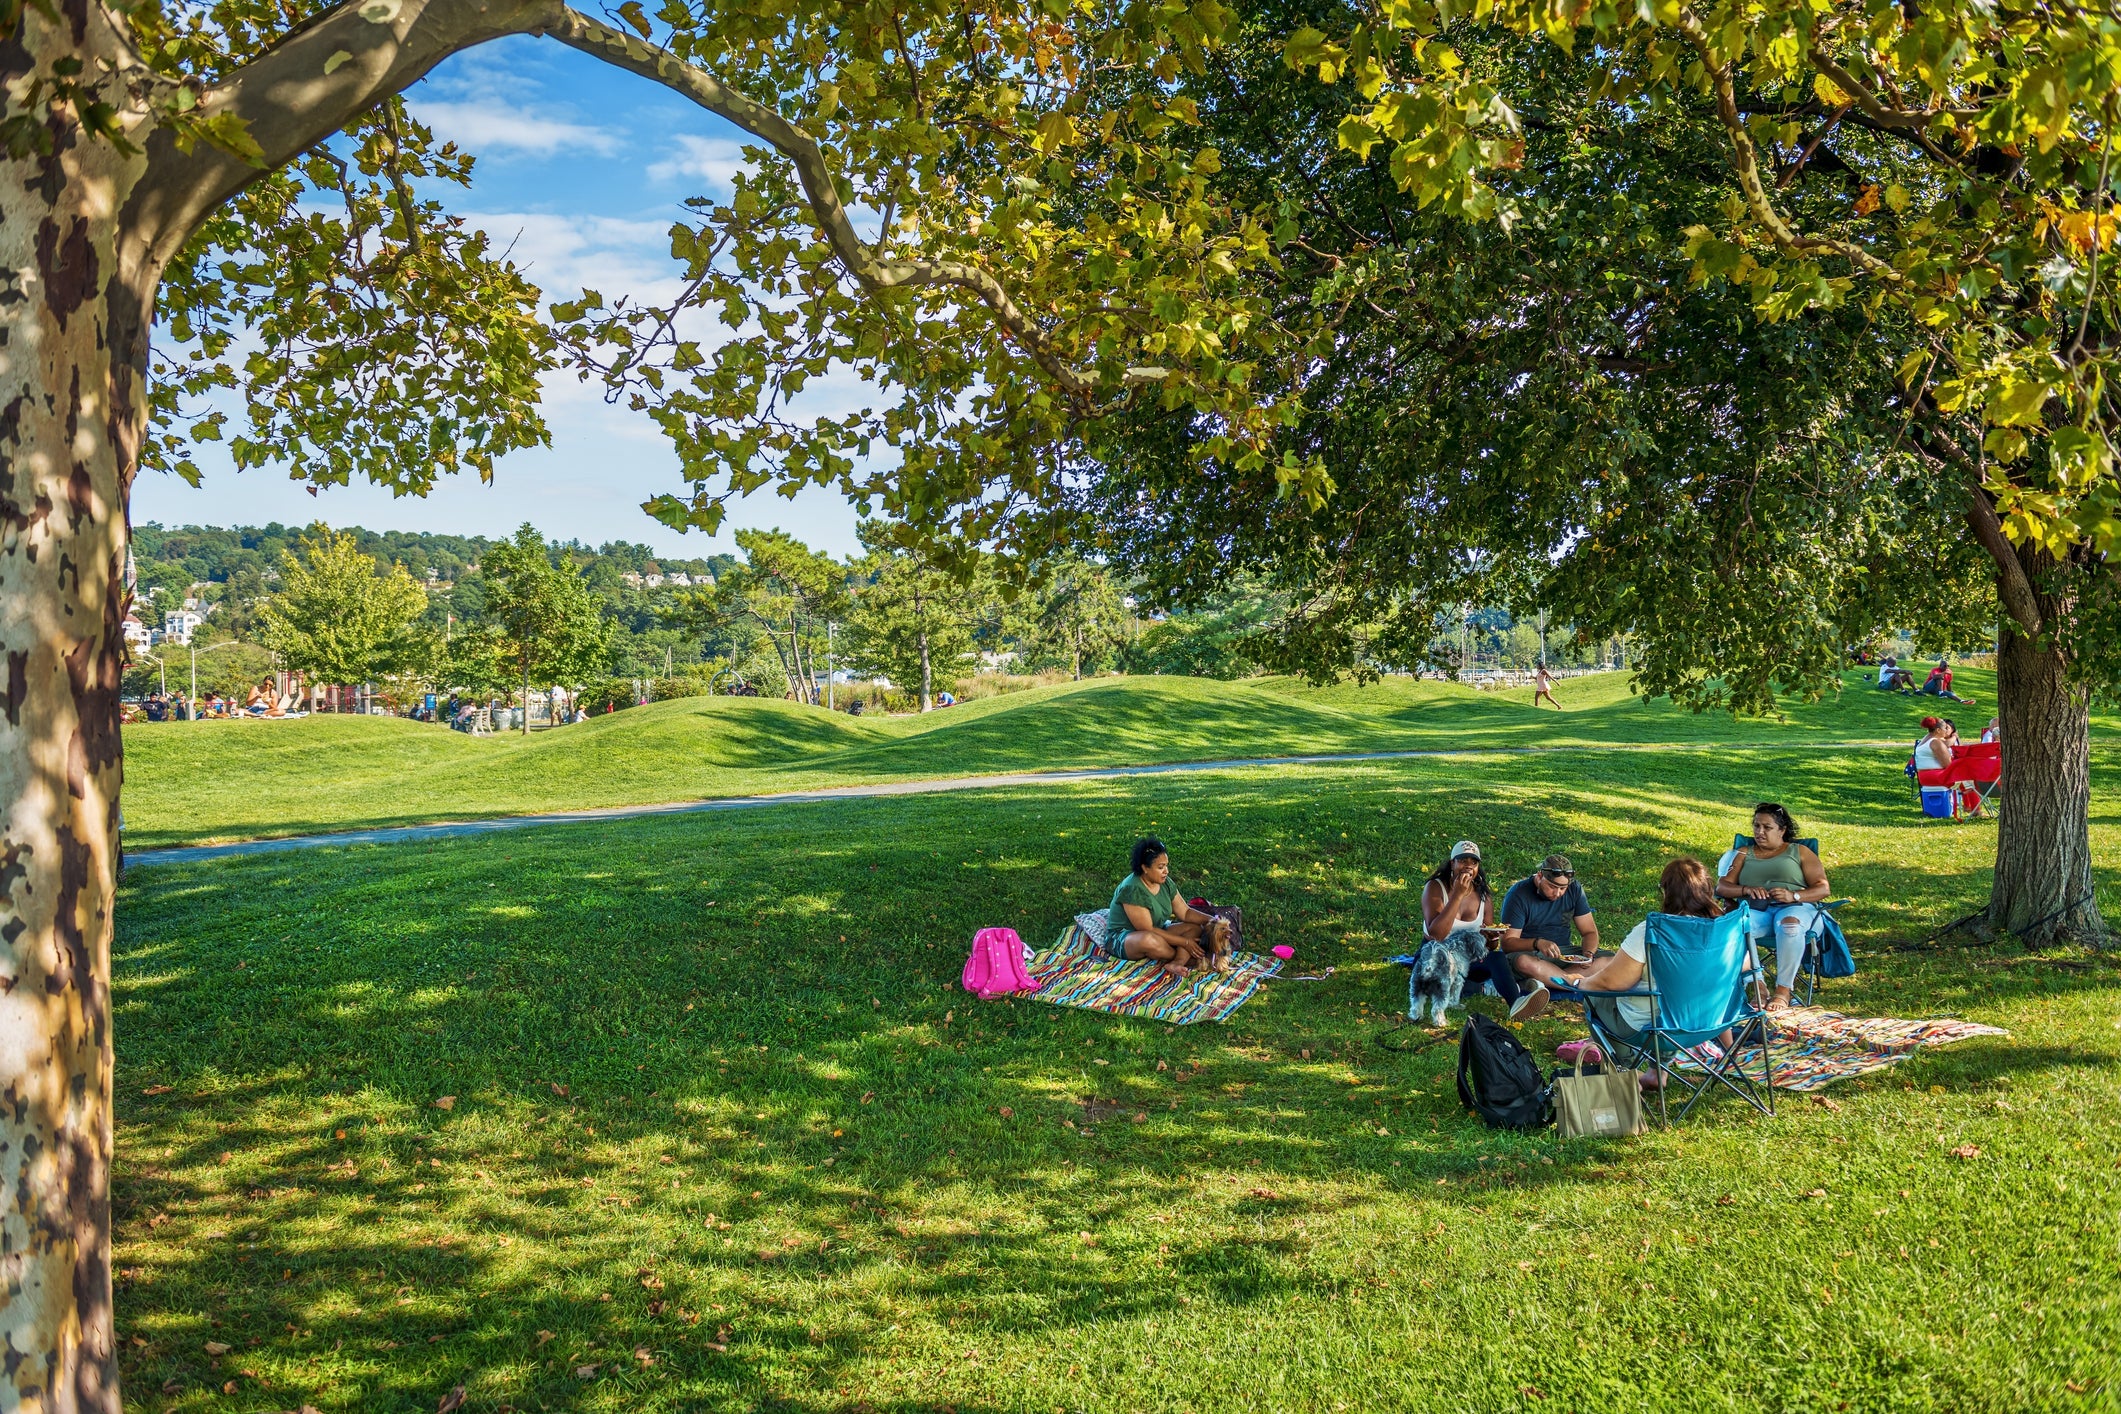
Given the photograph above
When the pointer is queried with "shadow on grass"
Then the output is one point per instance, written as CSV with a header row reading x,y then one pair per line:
x,y
770,1002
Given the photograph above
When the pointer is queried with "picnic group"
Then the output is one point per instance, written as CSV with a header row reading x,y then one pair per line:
x,y
1542,931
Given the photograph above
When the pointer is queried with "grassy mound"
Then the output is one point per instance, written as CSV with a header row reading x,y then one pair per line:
x,y
723,1133
196,782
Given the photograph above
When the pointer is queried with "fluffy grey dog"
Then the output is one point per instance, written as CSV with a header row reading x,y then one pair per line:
x,y
1440,973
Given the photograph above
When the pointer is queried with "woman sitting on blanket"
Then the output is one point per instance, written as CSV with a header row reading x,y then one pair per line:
x,y
1150,920
1783,880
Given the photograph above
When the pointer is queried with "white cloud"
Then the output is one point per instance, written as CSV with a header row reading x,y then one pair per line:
x,y
713,160
485,125
565,254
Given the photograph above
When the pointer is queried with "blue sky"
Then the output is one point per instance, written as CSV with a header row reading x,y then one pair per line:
x,y
581,169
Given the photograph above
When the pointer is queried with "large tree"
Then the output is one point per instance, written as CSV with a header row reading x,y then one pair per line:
x,y
912,620
241,175
338,615
1741,332
1964,151
544,622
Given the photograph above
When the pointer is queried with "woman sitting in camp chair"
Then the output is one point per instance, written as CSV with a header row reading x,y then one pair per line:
x,y
1686,889
1784,882
1150,919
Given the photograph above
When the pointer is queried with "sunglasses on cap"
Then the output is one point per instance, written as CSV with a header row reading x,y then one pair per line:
x,y
1556,876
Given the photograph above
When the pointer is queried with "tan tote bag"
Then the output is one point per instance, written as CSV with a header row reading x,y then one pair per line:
x,y
1606,1105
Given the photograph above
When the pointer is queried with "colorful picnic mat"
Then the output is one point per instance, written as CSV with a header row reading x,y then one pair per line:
x,y
1075,972
1812,1048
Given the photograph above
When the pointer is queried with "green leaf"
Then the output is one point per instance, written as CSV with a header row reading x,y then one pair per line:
x,y
634,15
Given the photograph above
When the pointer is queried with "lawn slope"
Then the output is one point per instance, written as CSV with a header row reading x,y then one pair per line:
x,y
212,781
690,1114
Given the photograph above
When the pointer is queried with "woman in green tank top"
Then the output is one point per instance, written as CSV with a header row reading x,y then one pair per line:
x,y
1782,881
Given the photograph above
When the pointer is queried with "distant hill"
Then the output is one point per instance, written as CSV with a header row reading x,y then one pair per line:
x,y
235,780
216,554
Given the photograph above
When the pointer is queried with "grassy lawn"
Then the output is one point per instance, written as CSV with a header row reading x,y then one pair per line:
x,y
795,1168
209,781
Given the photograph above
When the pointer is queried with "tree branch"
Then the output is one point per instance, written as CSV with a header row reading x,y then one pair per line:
x,y
1746,161
2013,586
321,77
624,51
301,91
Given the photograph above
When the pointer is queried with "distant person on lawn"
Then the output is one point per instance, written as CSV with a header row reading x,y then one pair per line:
x,y
1457,907
1543,686
1939,682
1783,881
1548,916
1148,918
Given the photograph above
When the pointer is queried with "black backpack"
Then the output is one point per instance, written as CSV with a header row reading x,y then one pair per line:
x,y
1507,1089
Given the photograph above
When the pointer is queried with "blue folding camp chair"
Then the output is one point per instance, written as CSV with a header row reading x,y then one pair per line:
x,y
1696,984
1815,935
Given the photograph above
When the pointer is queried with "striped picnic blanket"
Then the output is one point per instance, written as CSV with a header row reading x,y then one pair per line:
x,y
1813,1048
1075,972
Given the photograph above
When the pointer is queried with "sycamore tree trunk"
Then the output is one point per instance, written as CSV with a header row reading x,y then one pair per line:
x,y
927,676
2043,890
73,361
526,697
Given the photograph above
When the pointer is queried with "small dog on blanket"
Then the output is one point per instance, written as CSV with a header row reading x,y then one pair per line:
x,y
1440,973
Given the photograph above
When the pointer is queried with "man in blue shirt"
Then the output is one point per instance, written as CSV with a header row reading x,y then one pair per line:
x,y
1545,915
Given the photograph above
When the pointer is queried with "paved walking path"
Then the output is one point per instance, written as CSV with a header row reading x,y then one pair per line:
x,y
405,834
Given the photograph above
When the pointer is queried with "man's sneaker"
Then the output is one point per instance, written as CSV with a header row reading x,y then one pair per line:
x,y
1532,1003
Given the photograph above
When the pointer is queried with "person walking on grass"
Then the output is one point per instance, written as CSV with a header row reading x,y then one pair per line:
x,y
1149,919
1543,686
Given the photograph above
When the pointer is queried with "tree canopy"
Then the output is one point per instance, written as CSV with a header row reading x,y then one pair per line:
x,y
338,616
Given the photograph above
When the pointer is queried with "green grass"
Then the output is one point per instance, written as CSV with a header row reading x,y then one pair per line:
x,y
210,781
798,1169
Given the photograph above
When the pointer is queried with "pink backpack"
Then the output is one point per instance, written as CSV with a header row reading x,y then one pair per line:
x,y
996,966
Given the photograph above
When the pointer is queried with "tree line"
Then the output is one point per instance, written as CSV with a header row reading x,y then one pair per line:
x,y
339,607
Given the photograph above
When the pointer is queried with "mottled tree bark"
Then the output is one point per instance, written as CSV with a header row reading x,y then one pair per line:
x,y
2043,890
73,355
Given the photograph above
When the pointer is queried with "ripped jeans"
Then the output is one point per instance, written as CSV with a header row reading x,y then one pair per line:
x,y
1790,923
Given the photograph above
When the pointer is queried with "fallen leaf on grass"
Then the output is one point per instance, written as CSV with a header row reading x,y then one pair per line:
x,y
158,1089
1141,1117
717,1347
451,1401
1005,1112
640,1353
651,1281
1725,1201
558,1088
1524,1266
215,1347
447,1102
1967,1151
1531,1392
544,1336
1827,1102
868,1095
229,1388
1816,1193
172,1385
585,1372
2074,1388
1265,1194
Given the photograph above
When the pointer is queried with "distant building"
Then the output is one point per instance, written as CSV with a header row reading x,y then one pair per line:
x,y
178,625
652,581
631,579
137,634
678,580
